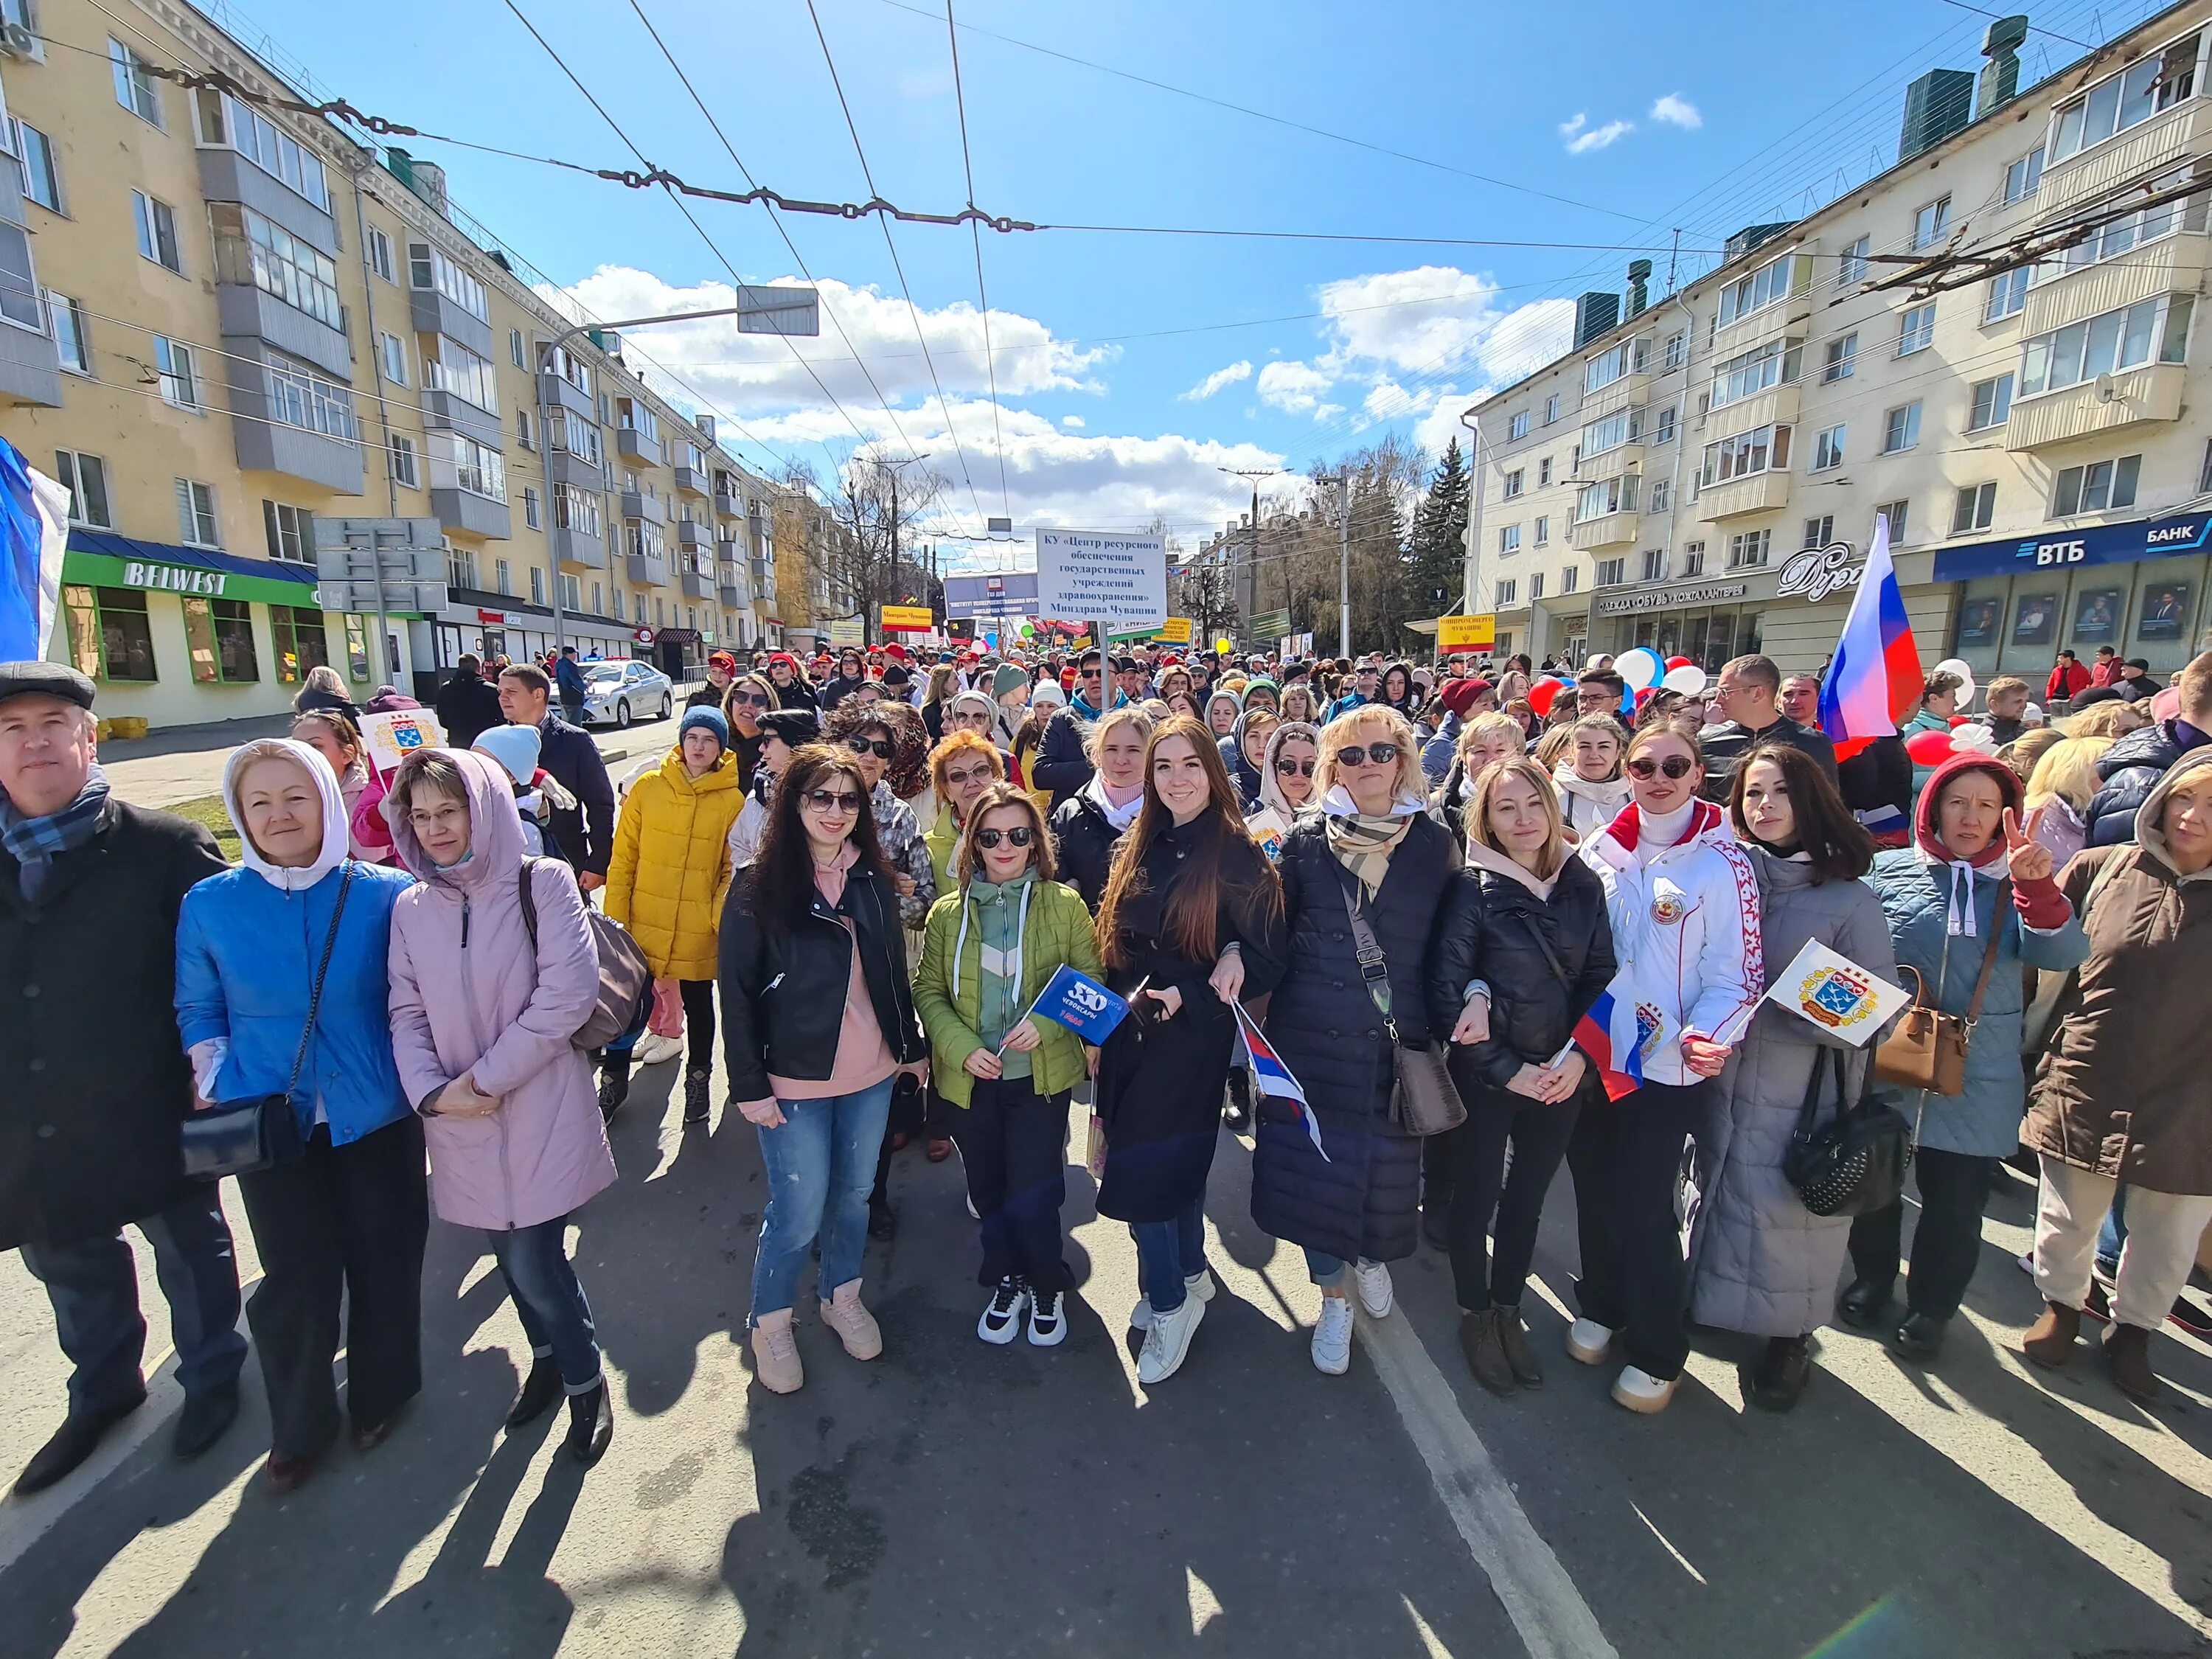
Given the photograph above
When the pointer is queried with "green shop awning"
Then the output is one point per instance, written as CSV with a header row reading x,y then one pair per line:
x,y
103,560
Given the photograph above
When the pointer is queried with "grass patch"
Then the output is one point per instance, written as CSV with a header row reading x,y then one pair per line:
x,y
209,810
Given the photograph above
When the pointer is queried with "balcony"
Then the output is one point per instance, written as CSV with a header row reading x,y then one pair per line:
x,y
455,413
434,312
1620,458
228,176
636,504
571,469
1629,392
1777,404
1762,492
243,312
728,503
1607,529
2130,397
647,569
265,444
2174,264
1785,316
730,552
557,391
763,576
690,533
2101,169
578,549
690,480
468,513
694,585
731,590
634,445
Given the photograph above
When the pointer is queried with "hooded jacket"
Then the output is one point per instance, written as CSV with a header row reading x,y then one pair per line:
x,y
1242,774
1588,807
670,869
1271,785
248,941
2130,769
468,994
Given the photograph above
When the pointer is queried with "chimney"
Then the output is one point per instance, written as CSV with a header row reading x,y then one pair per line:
x,y
1596,314
1639,274
1937,105
2001,76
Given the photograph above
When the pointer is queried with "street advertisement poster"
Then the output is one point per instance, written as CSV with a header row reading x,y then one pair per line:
x,y
1121,580
1977,622
2097,615
1836,994
2035,619
2165,610
392,737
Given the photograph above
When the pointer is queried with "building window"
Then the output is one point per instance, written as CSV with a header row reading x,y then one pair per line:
x,y
1628,358
1514,481
226,121
42,179
1900,429
460,566
1661,495
1544,472
291,532
1536,585
1570,579
575,509
536,585
110,636
393,358
1762,288
1509,538
1992,404
402,460
1625,427
357,664
1518,427
614,596
379,255
1932,223
1897,513
1916,330
178,371
503,577
1662,430
459,462
1819,532
134,87
1852,266
2118,236
72,339
596,610
2007,295
2146,87
1552,410
530,506
429,267
1607,497
522,428
1543,530
514,347
1843,359
1501,593
573,433
2150,329
1677,351
2023,176
196,526
1693,558
1748,549
1611,573
1755,371
219,641
1974,507
301,642
298,398
459,371
85,476
2097,487
1655,564
1828,448
1762,449
251,249
157,231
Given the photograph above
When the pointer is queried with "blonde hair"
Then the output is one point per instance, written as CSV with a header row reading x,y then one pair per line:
x,y
1493,723
1339,732
1556,741
1477,816
2067,770
2112,718
2029,747
998,795
1113,720
1604,725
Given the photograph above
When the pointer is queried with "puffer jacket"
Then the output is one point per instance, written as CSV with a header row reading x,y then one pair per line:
x,y
1760,1262
948,986
670,868
1588,807
468,994
2130,769
1083,841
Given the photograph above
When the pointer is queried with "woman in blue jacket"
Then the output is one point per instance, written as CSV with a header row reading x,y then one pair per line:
x,y
347,1221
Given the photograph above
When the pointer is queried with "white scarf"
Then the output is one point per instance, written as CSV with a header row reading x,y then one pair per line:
x,y
1118,818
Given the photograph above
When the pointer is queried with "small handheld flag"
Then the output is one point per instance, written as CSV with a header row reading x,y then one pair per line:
x,y
1608,1035
1273,1078
1081,1004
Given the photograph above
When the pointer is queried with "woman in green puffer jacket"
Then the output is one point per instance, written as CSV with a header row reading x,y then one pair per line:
x,y
988,949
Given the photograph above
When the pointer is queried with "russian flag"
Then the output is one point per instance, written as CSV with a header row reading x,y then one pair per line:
x,y
1273,1078
1874,675
33,536
1612,1045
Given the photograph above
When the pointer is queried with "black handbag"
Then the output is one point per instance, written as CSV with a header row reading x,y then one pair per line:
x,y
247,1136
1423,1100
1853,1165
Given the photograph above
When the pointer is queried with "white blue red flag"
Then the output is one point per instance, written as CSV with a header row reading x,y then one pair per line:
x,y
1875,676
1271,1077
1608,1033
34,535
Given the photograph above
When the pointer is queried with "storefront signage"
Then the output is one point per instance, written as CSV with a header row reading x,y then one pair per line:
x,y
1817,572
908,619
498,618
1666,598
1467,634
189,580
643,636
174,579
2104,544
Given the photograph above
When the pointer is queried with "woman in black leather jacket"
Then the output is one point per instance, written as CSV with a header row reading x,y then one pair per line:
x,y
1527,924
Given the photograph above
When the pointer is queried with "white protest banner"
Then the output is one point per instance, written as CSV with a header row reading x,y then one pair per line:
x,y
1836,994
392,737
1089,576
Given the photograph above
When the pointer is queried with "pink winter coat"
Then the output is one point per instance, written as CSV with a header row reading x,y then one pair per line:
x,y
466,994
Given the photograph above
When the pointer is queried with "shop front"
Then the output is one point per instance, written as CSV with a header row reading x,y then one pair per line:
x,y
680,653
1708,622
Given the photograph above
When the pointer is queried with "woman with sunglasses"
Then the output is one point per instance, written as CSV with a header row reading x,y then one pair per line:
x,y
748,697
1372,850
1683,901
961,768
1086,829
1287,769
817,1021
991,947
872,736
1192,920
786,677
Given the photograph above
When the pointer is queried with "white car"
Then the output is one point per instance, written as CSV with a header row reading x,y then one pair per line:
x,y
626,691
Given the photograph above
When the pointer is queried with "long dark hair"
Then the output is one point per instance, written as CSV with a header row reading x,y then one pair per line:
x,y
783,875
1837,844
1196,901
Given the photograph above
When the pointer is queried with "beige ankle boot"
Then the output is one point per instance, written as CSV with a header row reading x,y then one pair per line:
x,y
776,1353
856,1326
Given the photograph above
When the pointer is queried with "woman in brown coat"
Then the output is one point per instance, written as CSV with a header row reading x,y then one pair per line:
x,y
2119,1089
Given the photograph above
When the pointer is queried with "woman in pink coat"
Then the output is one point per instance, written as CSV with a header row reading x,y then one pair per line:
x,y
480,1024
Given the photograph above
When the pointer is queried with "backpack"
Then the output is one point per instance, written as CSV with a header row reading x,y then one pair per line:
x,y
625,977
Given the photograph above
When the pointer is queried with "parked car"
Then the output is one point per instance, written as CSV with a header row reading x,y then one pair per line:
x,y
626,691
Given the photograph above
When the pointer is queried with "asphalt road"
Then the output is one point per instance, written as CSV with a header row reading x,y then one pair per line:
x,y
953,1498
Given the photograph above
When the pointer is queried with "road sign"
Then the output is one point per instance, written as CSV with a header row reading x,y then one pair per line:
x,y
779,311
1465,634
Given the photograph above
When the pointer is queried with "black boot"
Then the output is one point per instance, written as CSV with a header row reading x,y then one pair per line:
x,y
694,1094
591,1423
71,1444
614,1086
1779,1377
539,1390
1920,1336
1862,1304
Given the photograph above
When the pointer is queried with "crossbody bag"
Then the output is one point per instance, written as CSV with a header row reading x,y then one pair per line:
x,y
1422,1101
1927,1046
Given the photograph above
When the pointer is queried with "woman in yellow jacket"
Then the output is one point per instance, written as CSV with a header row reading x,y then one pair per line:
x,y
666,884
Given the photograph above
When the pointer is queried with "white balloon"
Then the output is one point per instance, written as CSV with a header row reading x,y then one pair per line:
x,y
1957,666
1689,679
1640,668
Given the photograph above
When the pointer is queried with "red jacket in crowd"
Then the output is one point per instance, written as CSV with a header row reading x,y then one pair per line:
x,y
2069,678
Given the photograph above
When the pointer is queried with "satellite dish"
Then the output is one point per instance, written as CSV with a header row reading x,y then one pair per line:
x,y
2106,391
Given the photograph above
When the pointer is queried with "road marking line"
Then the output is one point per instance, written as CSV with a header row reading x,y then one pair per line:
x,y
1553,1620
1667,1543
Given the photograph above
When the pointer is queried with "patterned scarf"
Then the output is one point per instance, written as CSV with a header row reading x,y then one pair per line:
x,y
1363,844
34,842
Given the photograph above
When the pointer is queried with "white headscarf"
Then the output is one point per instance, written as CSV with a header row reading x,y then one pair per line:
x,y
310,761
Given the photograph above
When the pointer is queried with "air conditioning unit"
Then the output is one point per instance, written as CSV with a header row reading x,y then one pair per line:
x,y
17,41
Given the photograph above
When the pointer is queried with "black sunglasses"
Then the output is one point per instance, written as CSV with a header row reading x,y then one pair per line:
x,y
1675,766
1019,836
1286,766
1090,673
833,800
881,748
1381,754
752,699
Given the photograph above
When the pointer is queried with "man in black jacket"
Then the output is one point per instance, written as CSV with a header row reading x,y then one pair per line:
x,y
586,834
468,704
1745,700
98,1082
2131,768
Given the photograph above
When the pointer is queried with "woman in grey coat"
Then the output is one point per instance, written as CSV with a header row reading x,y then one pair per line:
x,y
1760,1263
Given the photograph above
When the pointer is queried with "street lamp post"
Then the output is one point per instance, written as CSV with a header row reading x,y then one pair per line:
x,y
1470,567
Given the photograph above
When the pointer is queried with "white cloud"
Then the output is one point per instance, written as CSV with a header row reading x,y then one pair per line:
x,y
1072,422
1214,382
1581,137
1294,388
1677,111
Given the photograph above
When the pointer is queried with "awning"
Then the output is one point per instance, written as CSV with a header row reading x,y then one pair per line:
x,y
106,560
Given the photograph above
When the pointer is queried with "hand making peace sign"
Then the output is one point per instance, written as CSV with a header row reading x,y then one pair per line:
x,y
2031,860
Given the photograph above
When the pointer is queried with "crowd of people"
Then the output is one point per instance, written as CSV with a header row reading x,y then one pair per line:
x,y
861,872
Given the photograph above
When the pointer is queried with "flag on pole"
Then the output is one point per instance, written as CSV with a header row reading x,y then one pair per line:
x,y
1608,1034
33,536
1875,676
1273,1078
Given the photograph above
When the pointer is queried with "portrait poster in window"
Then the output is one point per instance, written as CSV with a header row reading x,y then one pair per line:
x,y
2165,610
2097,612
2035,619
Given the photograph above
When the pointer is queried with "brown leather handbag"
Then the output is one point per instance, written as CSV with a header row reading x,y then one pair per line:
x,y
1927,1046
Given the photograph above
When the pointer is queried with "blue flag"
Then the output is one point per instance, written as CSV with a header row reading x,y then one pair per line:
x,y
1081,1004
33,534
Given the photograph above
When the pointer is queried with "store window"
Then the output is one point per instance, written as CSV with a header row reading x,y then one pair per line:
x,y
219,640
300,641
110,637
357,664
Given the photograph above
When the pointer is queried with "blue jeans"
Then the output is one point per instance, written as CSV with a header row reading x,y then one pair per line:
x,y
93,1284
1325,1271
2113,1234
821,1164
1169,1252
550,1299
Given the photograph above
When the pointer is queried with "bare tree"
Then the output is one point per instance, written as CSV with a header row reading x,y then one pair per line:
x,y
876,501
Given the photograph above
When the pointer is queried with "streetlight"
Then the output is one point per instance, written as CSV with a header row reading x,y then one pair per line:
x,y
1473,422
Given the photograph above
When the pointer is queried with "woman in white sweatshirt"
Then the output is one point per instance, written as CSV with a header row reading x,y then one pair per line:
x,y
1683,900
1592,783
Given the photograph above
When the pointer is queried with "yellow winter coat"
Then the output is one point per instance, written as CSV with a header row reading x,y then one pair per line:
x,y
671,864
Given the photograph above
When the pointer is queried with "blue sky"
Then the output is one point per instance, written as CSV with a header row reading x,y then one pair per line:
x,y
1130,367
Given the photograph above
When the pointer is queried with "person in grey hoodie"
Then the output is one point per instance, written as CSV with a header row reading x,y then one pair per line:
x,y
1592,786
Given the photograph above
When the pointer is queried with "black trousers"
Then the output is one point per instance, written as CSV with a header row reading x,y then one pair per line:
x,y
914,1111
1480,1184
1014,1143
698,1024
1626,1159
1947,1244
345,1224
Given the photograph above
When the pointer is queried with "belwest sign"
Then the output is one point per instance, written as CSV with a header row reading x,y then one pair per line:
x,y
2105,544
174,579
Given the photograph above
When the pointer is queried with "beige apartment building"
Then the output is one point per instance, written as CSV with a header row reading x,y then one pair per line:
x,y
1703,474
220,322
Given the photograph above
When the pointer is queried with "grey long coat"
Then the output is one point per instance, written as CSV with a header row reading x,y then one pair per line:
x,y
1761,1261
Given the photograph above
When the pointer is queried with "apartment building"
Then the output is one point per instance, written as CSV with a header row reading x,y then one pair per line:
x,y
1703,475
220,322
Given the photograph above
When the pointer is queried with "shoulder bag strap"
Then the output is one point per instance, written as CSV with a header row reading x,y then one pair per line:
x,y
322,968
1989,951
529,899
1551,957
1373,967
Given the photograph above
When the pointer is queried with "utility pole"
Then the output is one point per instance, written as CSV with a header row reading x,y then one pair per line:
x,y
890,575
1251,597
1470,571
1344,561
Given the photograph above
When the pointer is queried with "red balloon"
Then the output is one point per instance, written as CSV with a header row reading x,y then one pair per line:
x,y
1680,662
1645,696
1929,748
1957,720
1543,693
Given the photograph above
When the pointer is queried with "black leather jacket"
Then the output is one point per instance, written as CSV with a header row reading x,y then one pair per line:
x,y
1490,930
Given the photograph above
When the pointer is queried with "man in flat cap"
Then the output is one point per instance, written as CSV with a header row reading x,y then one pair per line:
x,y
96,1081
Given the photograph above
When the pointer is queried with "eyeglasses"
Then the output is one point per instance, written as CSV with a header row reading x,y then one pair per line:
x,y
1376,754
990,838
833,800
881,748
1285,766
974,774
752,699
1090,674
1675,766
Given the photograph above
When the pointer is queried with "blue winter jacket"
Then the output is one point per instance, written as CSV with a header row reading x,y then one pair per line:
x,y
246,963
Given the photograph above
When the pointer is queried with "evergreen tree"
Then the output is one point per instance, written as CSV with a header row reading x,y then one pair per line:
x,y
1436,561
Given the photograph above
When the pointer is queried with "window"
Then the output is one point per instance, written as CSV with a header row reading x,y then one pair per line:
x,y
1748,549
251,249
1514,481
72,342
2147,87
573,432
1570,580
514,347
157,231
569,598
2120,235
2023,176
1897,513
1819,532
1518,427
1932,223
1661,495
394,358
615,597
379,255
1502,593
179,373
597,610
2156,328
1755,371
1544,472
502,577
219,641
1762,449
1843,359
1543,530
403,461
110,636
1900,429
298,398
301,642
225,120
529,511
1662,430
1509,538
1611,573
459,462
357,648
536,585
42,179
291,532
1916,330
1677,351
1828,448
2007,295
1655,564
1535,586
460,566
1974,507
1623,427
522,428
1693,558
196,519
460,372
1852,267
1552,410
1992,404
1606,496
1626,359
1762,289
2096,488
85,476
134,87
575,509
429,267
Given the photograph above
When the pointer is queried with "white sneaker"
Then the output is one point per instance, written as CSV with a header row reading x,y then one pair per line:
x,y
653,1048
1588,1341
1373,1278
1198,1284
1168,1341
1048,1321
1642,1392
1332,1337
1002,1315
